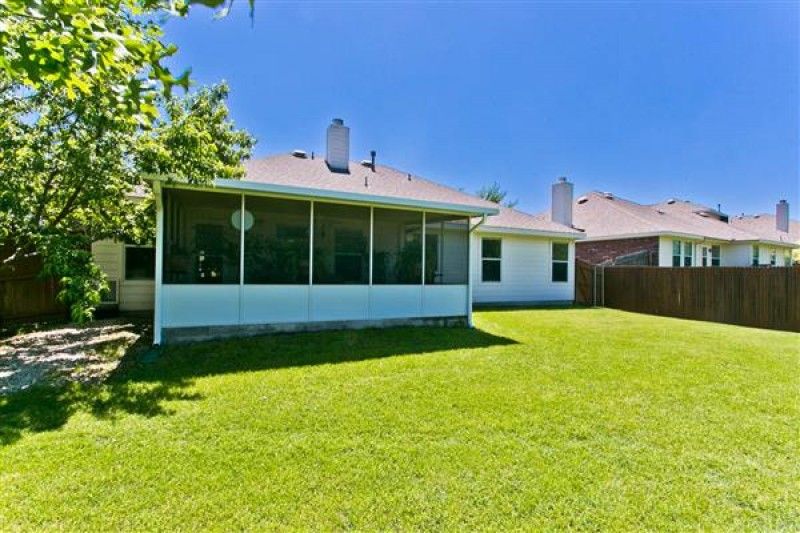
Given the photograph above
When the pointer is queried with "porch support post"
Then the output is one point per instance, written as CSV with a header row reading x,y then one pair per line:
x,y
159,262
310,260
422,281
241,259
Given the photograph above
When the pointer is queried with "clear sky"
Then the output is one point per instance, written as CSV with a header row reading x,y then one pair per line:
x,y
690,100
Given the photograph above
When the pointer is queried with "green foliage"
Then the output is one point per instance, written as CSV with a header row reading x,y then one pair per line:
x,y
82,282
87,111
562,419
195,140
70,44
495,193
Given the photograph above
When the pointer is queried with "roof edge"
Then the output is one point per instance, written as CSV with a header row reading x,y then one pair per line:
x,y
571,235
307,192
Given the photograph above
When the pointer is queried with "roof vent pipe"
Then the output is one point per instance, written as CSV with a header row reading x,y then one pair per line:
x,y
782,216
372,155
561,203
337,155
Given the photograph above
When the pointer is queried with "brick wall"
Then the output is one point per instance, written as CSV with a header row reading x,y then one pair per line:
x,y
596,252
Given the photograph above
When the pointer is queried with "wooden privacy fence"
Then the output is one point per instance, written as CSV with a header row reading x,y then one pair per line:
x,y
758,297
24,295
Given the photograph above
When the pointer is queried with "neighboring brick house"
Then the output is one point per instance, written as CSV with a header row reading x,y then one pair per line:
x,y
673,233
641,250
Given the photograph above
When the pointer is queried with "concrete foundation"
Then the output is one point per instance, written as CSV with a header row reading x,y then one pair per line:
x,y
194,334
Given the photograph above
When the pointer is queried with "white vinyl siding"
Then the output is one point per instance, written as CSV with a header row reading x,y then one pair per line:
x,y
526,270
133,295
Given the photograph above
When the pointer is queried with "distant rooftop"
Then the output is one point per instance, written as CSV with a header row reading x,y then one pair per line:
x,y
605,215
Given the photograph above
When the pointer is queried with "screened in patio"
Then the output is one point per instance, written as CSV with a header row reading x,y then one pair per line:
x,y
234,259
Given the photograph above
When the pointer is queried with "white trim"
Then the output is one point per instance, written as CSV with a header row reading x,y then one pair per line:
x,y
158,278
498,230
310,259
553,261
241,256
424,232
696,237
371,240
481,259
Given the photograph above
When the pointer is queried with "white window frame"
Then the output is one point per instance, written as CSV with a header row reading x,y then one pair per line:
x,y
689,255
719,255
553,261
773,257
496,259
679,254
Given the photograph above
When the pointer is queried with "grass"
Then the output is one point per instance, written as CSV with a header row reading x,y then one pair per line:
x,y
576,418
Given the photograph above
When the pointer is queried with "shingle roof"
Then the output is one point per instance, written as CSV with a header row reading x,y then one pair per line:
x,y
517,220
763,225
603,215
385,182
703,219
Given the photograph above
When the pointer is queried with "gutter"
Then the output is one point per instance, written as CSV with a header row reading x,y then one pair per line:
x,y
572,235
479,223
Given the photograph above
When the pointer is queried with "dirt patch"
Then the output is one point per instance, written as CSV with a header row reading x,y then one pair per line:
x,y
69,352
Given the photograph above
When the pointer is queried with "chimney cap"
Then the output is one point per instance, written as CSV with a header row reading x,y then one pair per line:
x,y
338,121
299,153
783,202
562,179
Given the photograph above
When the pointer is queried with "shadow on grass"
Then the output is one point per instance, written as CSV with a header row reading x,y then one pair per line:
x,y
143,388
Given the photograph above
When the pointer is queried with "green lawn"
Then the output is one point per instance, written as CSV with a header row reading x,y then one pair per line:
x,y
576,418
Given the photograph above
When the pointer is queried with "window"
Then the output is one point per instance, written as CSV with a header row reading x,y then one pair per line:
x,y
560,269
491,250
715,255
755,255
676,253
276,241
201,242
446,249
787,258
773,257
704,256
688,252
140,262
341,244
396,247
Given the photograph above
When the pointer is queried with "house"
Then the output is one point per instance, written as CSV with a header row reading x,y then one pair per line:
x,y
304,242
676,233
526,258
766,224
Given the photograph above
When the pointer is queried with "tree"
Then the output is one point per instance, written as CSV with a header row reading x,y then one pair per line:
x,y
68,45
86,110
67,168
495,193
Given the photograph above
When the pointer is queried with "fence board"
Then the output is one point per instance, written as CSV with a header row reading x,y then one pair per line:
x,y
25,295
758,297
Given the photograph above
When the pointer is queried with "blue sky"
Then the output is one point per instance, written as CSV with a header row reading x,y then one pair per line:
x,y
650,101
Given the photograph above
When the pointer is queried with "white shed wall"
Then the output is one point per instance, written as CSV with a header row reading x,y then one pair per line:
x,y
525,271
134,295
